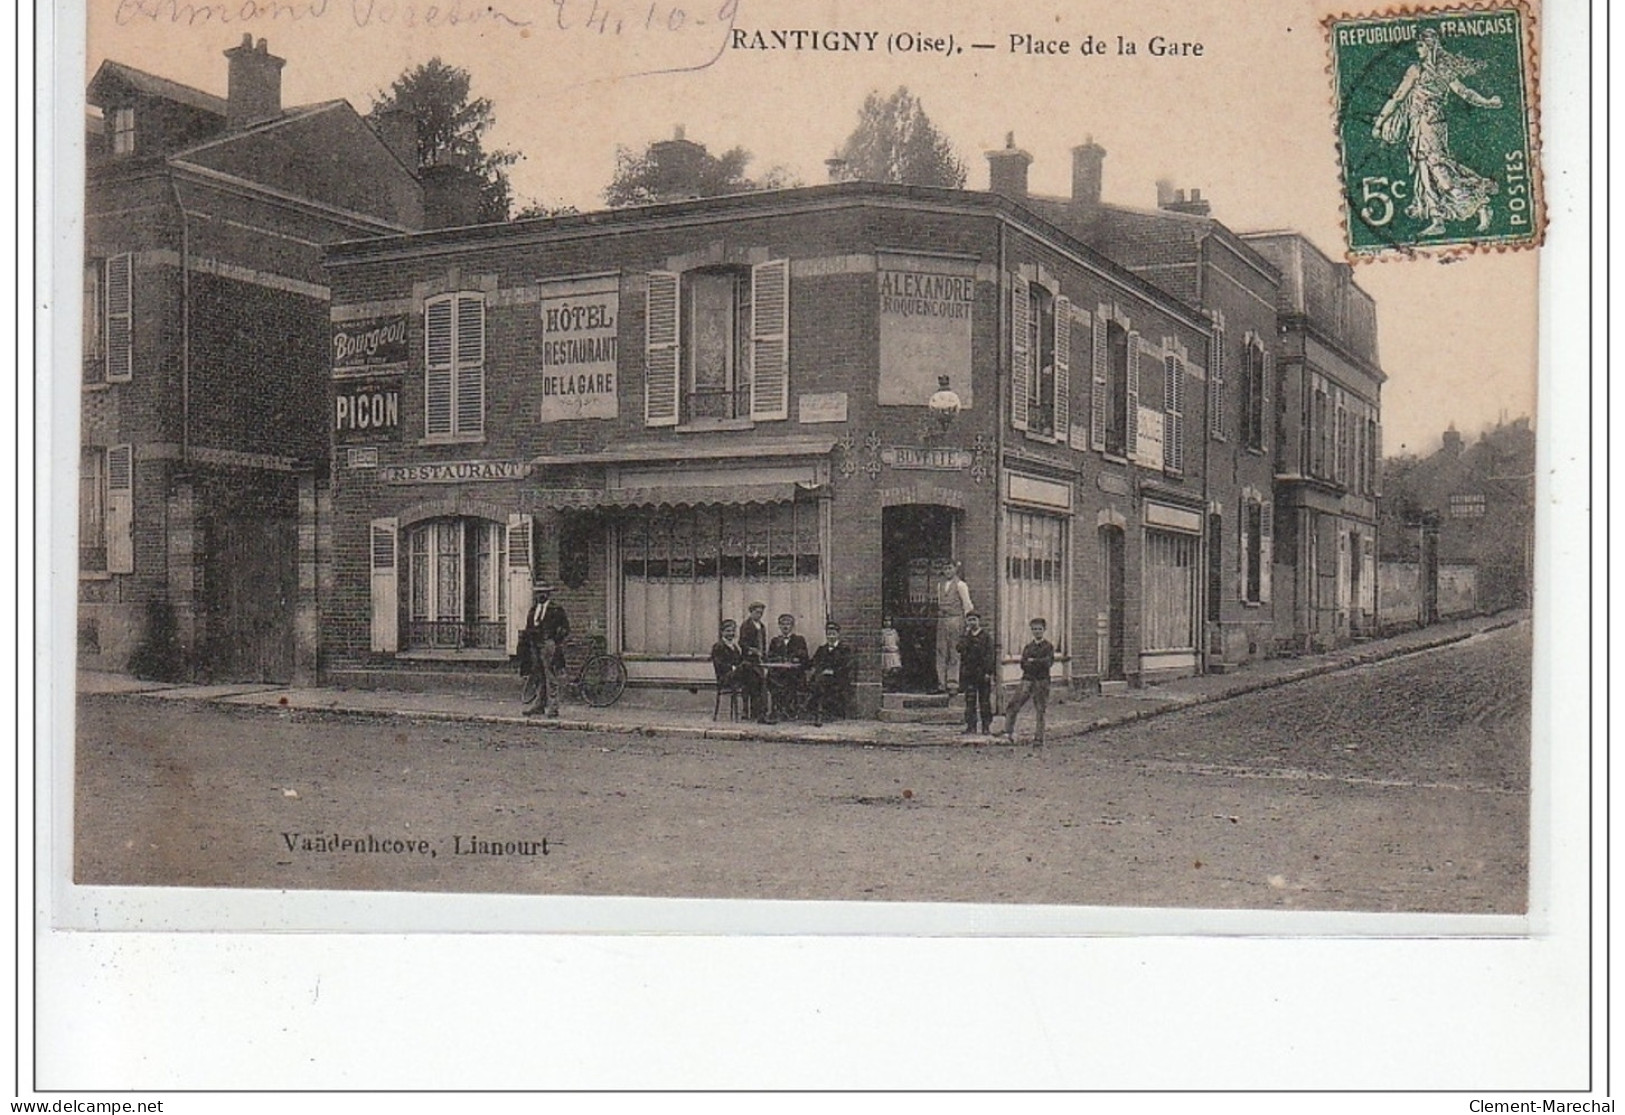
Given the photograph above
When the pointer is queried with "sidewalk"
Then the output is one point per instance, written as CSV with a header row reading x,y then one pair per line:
x,y
1071,718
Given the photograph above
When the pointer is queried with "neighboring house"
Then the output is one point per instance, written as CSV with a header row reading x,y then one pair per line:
x,y
1328,447
206,359
810,396
1182,248
1468,506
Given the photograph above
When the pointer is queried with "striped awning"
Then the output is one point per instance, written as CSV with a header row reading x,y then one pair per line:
x,y
678,495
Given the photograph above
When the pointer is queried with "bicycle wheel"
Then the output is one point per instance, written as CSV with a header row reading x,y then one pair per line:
x,y
603,680
531,693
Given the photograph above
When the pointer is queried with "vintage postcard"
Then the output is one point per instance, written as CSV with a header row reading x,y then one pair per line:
x,y
946,469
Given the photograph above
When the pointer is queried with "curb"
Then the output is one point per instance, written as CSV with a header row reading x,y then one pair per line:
x,y
1172,703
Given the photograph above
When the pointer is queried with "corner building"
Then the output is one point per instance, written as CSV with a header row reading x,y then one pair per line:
x,y
673,410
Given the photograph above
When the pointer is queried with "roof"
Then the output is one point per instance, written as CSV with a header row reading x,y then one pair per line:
x,y
749,204
111,73
289,115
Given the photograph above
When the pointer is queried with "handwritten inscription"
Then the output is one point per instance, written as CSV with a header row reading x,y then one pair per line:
x,y
363,13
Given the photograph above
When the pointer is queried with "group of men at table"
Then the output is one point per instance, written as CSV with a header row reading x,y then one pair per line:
x,y
773,674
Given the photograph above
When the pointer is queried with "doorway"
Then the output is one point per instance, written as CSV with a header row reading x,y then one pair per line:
x,y
915,539
1111,570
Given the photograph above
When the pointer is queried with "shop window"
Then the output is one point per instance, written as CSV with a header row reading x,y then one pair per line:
x,y
1170,590
456,588
682,572
1034,578
122,126
454,367
718,345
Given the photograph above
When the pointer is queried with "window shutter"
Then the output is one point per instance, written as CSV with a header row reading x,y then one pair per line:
x,y
92,324
1376,450
120,509
386,606
470,386
770,340
1021,374
1063,368
437,363
1215,386
120,321
1173,427
1131,428
661,377
519,577
1241,550
1266,548
1266,416
1097,388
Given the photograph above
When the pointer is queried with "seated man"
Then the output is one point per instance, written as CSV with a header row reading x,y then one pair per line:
x,y
830,675
787,660
732,669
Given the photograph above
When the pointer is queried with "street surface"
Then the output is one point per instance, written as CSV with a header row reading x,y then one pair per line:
x,y
1397,786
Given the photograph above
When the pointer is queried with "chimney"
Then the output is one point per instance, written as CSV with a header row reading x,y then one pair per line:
x,y
400,134
836,167
451,196
1452,441
1175,200
253,84
1087,160
678,159
1007,169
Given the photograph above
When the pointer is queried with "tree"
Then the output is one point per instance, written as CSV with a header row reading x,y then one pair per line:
x,y
451,129
677,168
896,142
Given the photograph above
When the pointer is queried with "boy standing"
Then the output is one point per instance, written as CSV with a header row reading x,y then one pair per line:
x,y
1036,659
977,665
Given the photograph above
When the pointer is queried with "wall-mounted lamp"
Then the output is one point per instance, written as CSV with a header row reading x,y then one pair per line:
x,y
944,405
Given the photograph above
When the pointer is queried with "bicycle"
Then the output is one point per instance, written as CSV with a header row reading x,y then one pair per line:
x,y
598,679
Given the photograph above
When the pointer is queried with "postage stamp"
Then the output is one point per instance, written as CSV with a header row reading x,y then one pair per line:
x,y
1436,114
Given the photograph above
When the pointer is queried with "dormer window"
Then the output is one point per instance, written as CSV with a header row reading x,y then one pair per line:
x,y
122,126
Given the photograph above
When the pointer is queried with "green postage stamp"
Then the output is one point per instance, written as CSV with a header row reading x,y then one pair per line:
x,y
1436,117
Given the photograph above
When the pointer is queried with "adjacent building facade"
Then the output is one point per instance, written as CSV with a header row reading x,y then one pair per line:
x,y
206,361
1327,447
1180,247
673,410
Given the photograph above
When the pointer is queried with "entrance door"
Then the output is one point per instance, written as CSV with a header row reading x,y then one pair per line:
x,y
1111,560
251,580
915,540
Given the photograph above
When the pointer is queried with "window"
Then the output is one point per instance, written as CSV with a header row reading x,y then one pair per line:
x,y
1215,566
1252,395
454,367
93,324
456,588
106,504
1280,419
684,571
1373,449
1318,433
122,126
1034,579
1116,353
1256,549
1173,407
1040,358
718,345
